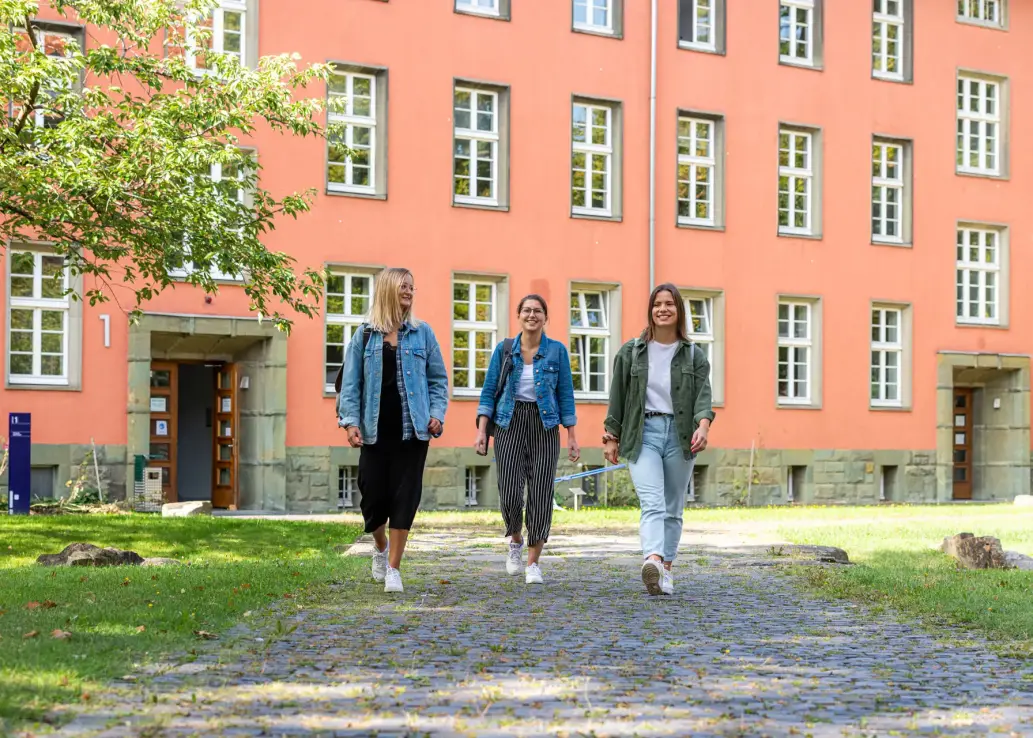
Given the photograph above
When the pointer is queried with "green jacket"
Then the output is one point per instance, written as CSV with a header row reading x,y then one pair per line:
x,y
690,395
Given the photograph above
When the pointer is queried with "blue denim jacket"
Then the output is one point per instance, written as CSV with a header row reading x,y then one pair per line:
x,y
553,385
426,381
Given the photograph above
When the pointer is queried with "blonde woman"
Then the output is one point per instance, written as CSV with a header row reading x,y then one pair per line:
x,y
392,401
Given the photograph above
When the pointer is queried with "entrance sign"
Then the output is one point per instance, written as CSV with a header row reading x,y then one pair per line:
x,y
19,464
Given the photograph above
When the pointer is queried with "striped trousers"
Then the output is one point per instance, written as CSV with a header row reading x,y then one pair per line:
x,y
527,455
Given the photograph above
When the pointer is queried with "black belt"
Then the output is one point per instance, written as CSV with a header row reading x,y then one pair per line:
x,y
655,414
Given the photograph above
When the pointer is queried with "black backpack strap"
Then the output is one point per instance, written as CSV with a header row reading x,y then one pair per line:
x,y
507,367
366,331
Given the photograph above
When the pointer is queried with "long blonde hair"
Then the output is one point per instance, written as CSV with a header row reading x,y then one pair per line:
x,y
387,313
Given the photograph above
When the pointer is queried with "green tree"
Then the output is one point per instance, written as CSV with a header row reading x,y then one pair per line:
x,y
109,153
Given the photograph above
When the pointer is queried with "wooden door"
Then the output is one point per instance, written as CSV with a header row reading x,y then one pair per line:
x,y
962,443
164,399
224,448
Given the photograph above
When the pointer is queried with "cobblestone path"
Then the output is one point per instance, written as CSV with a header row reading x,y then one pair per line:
x,y
739,650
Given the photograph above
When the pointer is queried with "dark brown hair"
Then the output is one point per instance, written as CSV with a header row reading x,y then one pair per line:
x,y
679,306
532,296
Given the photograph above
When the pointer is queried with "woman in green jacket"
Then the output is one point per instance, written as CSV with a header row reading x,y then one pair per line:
x,y
659,419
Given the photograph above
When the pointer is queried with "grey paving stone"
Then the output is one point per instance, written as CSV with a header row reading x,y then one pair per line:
x,y
467,650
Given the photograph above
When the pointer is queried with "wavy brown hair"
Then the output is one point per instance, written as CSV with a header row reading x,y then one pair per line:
x,y
679,306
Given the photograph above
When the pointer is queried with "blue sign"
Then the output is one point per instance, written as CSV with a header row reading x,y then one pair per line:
x,y
19,464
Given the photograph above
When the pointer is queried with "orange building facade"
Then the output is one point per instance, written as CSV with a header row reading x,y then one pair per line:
x,y
839,190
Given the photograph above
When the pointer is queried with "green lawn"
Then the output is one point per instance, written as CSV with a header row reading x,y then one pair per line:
x,y
124,617
898,566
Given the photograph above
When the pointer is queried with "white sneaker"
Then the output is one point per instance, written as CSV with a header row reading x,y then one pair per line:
x,y
652,574
380,562
515,562
393,581
533,575
667,582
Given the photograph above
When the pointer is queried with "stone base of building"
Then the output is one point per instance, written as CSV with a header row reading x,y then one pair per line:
x,y
321,479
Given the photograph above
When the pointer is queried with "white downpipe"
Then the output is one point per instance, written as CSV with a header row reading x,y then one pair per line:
x,y
652,149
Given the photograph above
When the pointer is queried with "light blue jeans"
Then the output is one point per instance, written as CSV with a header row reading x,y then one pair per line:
x,y
661,476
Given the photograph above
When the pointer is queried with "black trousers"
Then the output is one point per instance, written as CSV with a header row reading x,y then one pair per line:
x,y
391,482
527,455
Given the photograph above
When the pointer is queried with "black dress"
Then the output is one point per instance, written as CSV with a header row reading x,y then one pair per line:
x,y
391,470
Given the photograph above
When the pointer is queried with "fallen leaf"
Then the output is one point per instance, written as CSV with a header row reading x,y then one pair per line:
x,y
141,628
61,635
205,635
31,605
125,582
47,604
30,634
444,581
53,574
247,614
287,595
83,579
3,612
86,696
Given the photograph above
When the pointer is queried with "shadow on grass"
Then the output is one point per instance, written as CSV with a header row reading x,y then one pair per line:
x,y
125,617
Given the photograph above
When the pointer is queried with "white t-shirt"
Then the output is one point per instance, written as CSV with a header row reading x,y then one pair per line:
x,y
525,390
658,385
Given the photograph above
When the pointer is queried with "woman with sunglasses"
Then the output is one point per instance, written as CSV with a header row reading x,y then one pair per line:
x,y
659,419
392,401
535,397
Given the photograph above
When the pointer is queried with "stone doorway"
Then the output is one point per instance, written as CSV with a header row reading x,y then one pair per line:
x,y
983,426
257,354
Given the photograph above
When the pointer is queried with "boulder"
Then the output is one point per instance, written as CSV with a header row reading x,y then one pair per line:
x,y
186,509
826,554
1024,500
1016,560
160,561
975,552
86,554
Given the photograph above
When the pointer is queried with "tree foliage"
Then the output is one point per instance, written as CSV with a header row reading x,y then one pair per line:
x,y
107,151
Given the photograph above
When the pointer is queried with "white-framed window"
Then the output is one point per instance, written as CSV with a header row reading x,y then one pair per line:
x,y
38,319
979,125
347,486
697,23
700,313
475,157
797,31
697,171
887,191
480,7
229,179
348,300
887,356
590,342
474,333
228,27
978,275
795,181
987,12
888,39
592,159
475,484
594,15
351,136
58,43
795,355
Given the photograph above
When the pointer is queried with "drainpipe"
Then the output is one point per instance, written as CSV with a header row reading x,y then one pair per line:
x,y
652,150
